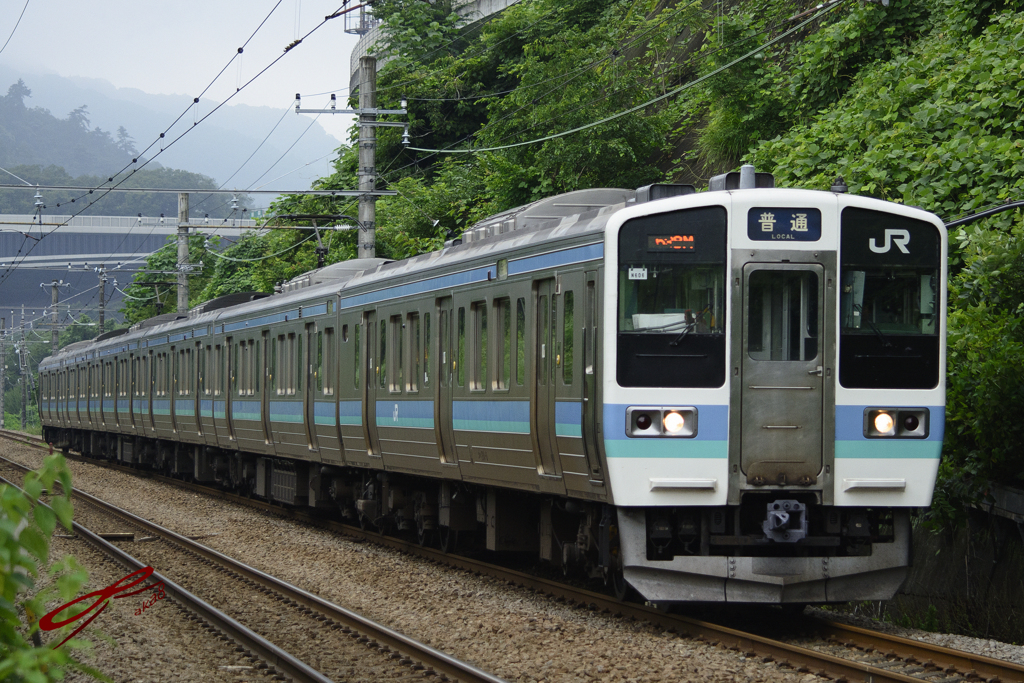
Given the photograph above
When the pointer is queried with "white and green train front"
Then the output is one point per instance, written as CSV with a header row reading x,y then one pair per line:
x,y
774,392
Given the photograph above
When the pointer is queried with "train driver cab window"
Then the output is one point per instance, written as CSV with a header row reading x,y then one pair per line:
x,y
671,299
782,315
889,301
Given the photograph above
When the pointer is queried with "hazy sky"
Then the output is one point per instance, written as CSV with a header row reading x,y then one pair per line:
x,y
179,47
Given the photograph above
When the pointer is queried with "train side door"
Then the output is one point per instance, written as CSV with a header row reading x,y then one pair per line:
x,y
266,368
373,344
443,428
230,374
313,355
543,406
133,362
781,382
589,365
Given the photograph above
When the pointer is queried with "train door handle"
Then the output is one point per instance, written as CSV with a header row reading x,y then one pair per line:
x,y
816,371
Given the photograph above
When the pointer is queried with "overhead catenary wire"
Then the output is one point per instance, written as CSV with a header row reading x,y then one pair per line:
x,y
107,190
686,86
16,24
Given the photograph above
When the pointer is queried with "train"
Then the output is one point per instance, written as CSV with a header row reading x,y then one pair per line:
x,y
727,396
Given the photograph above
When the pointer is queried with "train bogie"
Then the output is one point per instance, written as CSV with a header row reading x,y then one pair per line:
x,y
734,395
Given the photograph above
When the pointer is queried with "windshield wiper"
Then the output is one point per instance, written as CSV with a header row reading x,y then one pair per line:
x,y
886,343
689,327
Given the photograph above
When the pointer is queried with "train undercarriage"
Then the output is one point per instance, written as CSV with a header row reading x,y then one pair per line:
x,y
781,547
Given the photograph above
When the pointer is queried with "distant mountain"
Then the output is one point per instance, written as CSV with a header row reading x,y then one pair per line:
x,y
217,148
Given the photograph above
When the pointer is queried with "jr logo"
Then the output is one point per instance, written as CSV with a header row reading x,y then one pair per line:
x,y
901,238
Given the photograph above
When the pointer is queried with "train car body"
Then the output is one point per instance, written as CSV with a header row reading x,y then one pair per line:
x,y
728,396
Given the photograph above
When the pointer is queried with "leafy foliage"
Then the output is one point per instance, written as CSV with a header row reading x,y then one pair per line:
x,y
984,435
26,526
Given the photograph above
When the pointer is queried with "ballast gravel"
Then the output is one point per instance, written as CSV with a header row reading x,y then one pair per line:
x,y
507,631
156,644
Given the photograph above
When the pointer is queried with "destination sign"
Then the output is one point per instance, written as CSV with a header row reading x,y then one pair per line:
x,y
676,242
777,224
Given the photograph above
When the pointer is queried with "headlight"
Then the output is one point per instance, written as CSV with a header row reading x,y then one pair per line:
x,y
883,423
901,423
642,421
673,422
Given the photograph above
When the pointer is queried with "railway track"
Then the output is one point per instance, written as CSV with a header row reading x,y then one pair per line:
x,y
349,645
839,651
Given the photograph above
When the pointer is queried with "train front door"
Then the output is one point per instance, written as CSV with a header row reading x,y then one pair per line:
x,y
782,378
544,364
443,428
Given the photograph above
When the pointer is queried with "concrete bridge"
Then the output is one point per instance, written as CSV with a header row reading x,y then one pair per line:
x,y
69,249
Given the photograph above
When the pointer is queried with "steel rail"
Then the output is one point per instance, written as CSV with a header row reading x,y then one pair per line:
x,y
277,658
978,667
926,654
430,659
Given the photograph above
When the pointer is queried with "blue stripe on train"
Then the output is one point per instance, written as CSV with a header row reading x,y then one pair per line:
x,y
418,414
512,417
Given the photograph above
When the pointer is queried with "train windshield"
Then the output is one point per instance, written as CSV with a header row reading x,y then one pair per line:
x,y
671,299
662,298
889,301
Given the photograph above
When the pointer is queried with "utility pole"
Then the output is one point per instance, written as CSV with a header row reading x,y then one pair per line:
x,y
22,365
367,172
103,293
54,332
183,265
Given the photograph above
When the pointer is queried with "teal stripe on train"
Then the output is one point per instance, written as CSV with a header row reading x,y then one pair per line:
x,y
889,448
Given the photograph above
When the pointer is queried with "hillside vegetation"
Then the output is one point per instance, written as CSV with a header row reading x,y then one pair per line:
x,y
38,148
915,102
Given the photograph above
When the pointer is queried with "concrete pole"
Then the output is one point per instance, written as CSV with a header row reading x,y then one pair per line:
x,y
3,366
23,369
54,332
367,158
183,252
103,294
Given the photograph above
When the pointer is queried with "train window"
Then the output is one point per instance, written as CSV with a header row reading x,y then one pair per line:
x,y
218,388
782,315
344,334
320,361
355,355
590,342
520,341
201,365
444,347
234,370
426,350
414,352
257,366
478,379
460,358
671,302
299,365
329,374
889,297
398,364
568,306
503,350
382,357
